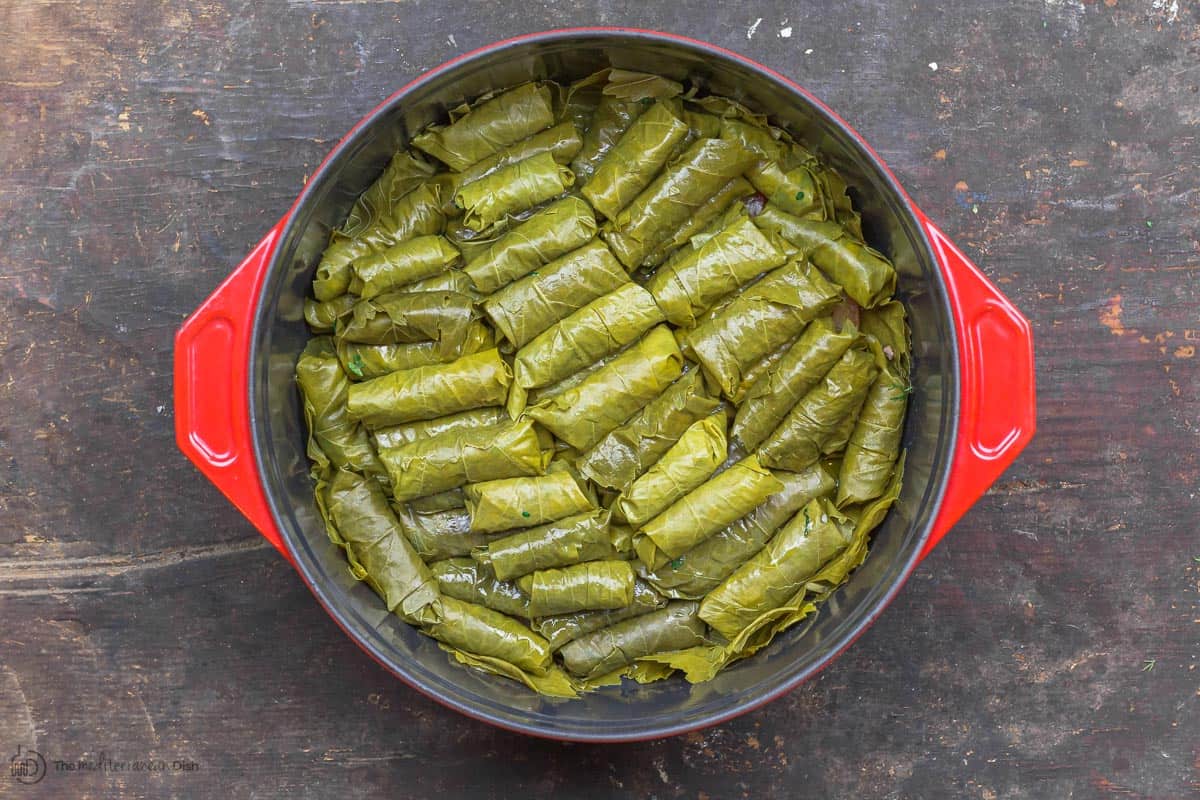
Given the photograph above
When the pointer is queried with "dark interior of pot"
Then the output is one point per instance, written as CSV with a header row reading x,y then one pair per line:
x,y
628,711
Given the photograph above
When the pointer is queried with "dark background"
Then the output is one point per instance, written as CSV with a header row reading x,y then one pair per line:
x,y
1048,648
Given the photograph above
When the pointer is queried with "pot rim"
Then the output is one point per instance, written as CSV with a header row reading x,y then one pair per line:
x,y
259,422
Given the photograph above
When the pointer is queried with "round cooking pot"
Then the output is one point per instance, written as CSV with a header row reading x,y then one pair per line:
x,y
238,415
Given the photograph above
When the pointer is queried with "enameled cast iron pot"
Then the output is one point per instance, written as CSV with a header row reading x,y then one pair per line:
x,y
238,414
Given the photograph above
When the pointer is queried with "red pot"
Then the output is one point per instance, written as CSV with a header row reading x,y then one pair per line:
x,y
238,415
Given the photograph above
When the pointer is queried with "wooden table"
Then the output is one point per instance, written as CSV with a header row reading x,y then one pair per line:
x,y
1048,648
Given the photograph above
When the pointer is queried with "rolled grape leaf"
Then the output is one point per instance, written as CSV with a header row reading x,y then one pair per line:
x,y
511,189
763,318
795,191
628,451
378,553
324,389
613,117
366,361
477,629
467,580
865,274
800,369
562,142
473,381
701,125
672,628
323,317
799,440
404,173
441,534
771,578
718,502
874,445
761,140
401,317
418,213
509,503
756,370
489,127
599,329
409,432
583,537
554,231
887,325
688,464
404,263
673,197
633,162
590,586
701,218
459,457
527,307
701,569
585,413
688,285
562,628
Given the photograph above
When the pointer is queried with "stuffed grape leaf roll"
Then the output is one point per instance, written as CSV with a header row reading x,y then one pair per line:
x,y
553,231
404,263
683,187
583,414
701,569
459,457
629,166
583,537
527,307
689,463
490,126
718,502
378,553
324,388
811,538
629,450
764,317
468,580
508,503
511,189
477,629
672,628
562,628
473,381
590,586
807,429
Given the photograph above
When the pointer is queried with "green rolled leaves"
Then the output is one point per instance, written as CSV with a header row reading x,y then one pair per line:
x,y
667,203
590,586
473,381
489,127
689,285
630,165
467,580
771,578
689,463
799,370
717,502
629,450
583,537
456,458
507,503
336,437
585,413
764,317
674,627
511,189
809,427
480,630
599,329
527,307
403,264
554,231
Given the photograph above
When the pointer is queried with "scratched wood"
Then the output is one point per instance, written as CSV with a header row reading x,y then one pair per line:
x,y
1047,649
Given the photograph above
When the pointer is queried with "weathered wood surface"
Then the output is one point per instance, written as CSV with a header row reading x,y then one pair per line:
x,y
144,148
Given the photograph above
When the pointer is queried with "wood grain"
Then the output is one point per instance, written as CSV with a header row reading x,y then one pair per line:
x,y
145,147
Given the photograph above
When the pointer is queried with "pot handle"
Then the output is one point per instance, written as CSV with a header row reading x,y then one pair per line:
x,y
997,407
212,404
